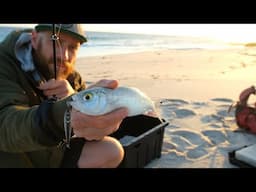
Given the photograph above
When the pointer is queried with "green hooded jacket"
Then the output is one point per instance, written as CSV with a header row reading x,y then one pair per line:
x,y
31,127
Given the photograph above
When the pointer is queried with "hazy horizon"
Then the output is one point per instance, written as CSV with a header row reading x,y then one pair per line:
x,y
241,33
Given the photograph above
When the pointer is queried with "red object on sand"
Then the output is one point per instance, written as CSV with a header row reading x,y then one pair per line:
x,y
245,94
246,115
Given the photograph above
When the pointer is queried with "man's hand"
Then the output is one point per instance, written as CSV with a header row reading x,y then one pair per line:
x,y
59,88
112,84
96,127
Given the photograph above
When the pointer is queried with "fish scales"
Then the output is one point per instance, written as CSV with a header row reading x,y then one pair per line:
x,y
100,100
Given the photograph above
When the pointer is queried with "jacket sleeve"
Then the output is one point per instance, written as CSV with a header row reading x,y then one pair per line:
x,y
48,131
49,117
25,128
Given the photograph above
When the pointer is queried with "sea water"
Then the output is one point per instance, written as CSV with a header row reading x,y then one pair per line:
x,y
107,43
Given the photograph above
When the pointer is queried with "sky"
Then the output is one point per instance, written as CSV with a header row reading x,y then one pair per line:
x,y
225,32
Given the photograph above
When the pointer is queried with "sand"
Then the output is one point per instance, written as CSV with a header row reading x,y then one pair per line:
x,y
193,90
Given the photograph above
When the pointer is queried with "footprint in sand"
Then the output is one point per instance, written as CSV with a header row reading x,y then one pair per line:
x,y
216,125
171,159
153,76
168,114
168,146
240,138
173,126
181,144
216,121
197,153
175,102
216,136
224,113
183,113
193,137
169,108
171,114
211,118
185,147
243,64
198,105
226,100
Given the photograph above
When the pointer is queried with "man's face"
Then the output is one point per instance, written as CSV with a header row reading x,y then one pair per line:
x,y
66,54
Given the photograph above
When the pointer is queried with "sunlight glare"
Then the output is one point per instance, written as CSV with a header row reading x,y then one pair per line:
x,y
225,32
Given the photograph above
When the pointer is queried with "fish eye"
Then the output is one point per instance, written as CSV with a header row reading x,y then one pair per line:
x,y
87,96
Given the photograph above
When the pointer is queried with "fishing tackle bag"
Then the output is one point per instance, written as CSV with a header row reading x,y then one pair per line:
x,y
245,115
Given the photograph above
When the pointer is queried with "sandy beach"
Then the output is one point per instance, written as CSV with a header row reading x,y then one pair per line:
x,y
193,90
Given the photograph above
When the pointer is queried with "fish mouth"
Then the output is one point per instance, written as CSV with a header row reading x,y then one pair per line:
x,y
70,101
73,98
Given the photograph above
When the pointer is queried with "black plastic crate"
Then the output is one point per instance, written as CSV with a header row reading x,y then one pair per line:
x,y
142,139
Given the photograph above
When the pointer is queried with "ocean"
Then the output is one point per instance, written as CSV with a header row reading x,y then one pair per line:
x,y
107,43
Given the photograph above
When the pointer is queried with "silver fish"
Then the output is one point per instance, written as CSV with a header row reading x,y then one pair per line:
x,y
99,101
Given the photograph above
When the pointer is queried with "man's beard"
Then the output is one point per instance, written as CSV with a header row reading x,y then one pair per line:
x,y
46,67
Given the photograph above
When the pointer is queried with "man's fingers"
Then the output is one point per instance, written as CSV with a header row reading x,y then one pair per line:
x,y
105,83
51,84
116,115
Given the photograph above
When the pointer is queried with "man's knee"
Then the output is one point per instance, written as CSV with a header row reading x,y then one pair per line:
x,y
107,153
